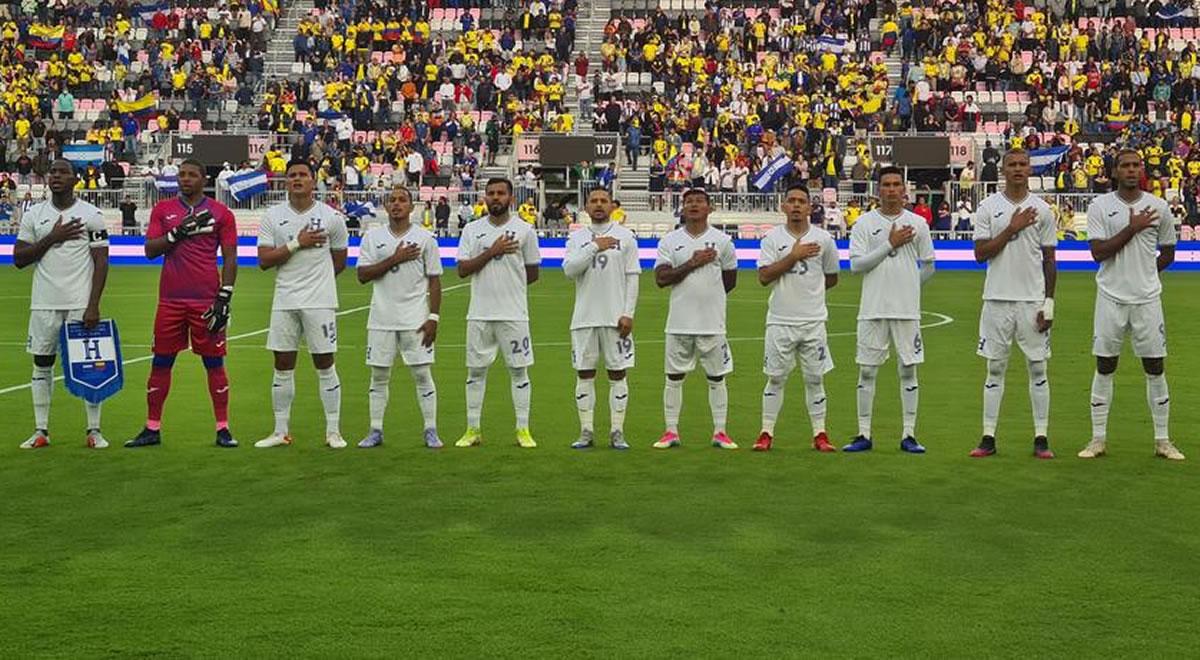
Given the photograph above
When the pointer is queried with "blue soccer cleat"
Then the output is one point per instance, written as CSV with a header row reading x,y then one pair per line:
x,y
373,439
859,443
910,445
225,439
432,441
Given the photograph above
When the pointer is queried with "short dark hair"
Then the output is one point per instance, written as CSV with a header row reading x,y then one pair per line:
x,y
606,191
401,188
63,160
886,170
695,191
1015,151
196,164
802,187
1126,150
299,161
499,179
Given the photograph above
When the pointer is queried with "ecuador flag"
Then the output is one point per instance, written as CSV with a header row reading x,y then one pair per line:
x,y
45,37
141,108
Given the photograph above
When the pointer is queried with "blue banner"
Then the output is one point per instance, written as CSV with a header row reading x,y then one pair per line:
x,y
92,367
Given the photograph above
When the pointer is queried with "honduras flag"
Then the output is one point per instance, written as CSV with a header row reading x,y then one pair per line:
x,y
1169,12
84,154
167,185
774,170
248,185
1045,160
832,44
147,11
359,209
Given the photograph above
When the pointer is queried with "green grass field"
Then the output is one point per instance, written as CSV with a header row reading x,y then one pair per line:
x,y
187,549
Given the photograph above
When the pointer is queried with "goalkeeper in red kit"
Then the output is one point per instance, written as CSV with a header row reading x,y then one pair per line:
x,y
193,301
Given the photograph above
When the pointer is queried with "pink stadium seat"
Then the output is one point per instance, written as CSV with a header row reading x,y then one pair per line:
x,y
100,104
1188,34
84,105
1185,233
829,194
376,56
425,193
747,231
437,14
389,57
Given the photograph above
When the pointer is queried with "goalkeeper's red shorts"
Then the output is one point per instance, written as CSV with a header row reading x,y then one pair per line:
x,y
178,321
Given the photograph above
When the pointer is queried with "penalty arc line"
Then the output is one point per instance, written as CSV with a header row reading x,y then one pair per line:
x,y
244,335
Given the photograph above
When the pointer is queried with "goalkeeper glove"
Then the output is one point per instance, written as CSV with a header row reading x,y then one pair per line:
x,y
193,225
218,314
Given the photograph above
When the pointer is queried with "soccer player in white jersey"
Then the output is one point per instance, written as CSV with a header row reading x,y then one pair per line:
x,y
499,253
1133,239
1015,234
67,240
402,263
698,262
307,242
890,246
602,258
799,262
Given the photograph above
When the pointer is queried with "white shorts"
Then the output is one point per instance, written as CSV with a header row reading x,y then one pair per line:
x,y
1144,322
1002,321
383,344
510,338
44,328
711,351
787,343
589,344
318,326
904,334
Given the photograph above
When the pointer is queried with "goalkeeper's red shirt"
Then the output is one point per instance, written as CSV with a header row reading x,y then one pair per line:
x,y
189,269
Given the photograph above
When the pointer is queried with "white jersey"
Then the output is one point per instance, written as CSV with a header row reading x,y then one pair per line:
x,y
306,280
1131,275
892,289
62,278
601,289
697,304
399,298
498,291
1016,273
798,296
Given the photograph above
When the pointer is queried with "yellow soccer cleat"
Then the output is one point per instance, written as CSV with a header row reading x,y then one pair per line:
x,y
471,438
525,439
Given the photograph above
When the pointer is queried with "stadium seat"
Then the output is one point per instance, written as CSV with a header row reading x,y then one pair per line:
x,y
748,231
1185,233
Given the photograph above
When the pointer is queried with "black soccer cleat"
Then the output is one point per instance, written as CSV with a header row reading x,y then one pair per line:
x,y
146,438
987,447
225,439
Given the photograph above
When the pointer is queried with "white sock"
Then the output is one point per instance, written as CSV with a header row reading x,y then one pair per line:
x,y
718,403
585,402
521,387
866,398
93,415
476,388
772,401
672,403
426,394
331,397
1039,397
1102,388
618,401
1160,404
377,395
908,398
993,394
815,399
41,385
283,390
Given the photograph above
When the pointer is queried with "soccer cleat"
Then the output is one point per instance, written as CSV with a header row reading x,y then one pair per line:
x,y
1041,448
859,443
95,440
722,440
668,440
39,439
616,440
374,439
432,441
821,443
470,438
225,439
1166,449
585,441
910,445
763,443
987,447
146,438
525,438
334,440
1094,449
274,440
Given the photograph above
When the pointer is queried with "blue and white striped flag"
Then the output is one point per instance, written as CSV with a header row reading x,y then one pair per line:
x,y
831,44
83,154
773,171
246,186
147,11
359,209
1044,160
167,184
